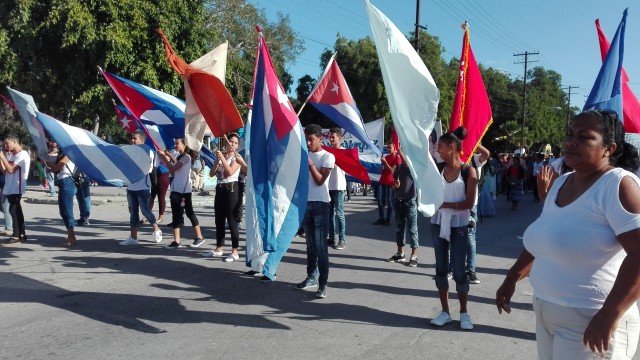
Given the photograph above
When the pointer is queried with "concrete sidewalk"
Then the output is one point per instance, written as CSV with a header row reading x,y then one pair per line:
x,y
100,300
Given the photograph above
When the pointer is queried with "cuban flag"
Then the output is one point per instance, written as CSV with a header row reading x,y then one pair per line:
x,y
27,109
103,162
207,156
156,138
331,96
277,179
150,106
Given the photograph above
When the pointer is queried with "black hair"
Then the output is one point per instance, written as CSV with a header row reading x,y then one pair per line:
x,y
313,129
456,136
612,129
335,130
233,134
141,134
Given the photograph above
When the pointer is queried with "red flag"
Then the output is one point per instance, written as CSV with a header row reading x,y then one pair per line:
x,y
348,160
630,104
471,107
211,96
394,139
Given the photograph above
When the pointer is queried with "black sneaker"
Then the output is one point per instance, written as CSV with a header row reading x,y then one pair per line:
x,y
379,222
387,222
413,262
250,273
197,242
341,245
173,245
321,293
266,279
332,243
307,283
396,257
473,279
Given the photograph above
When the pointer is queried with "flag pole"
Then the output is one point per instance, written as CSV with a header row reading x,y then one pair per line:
x,y
315,87
9,102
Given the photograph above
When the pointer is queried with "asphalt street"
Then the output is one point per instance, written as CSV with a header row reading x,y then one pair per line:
x,y
100,300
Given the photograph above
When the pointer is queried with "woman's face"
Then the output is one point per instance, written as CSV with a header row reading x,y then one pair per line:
x,y
234,144
179,145
584,147
445,150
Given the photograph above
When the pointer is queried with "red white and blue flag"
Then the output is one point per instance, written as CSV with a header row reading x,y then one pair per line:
x,y
150,106
331,96
278,175
156,138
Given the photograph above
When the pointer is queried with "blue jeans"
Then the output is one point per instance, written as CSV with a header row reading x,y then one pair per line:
x,y
84,200
315,223
471,244
138,201
458,244
51,177
336,209
8,220
385,193
67,190
406,219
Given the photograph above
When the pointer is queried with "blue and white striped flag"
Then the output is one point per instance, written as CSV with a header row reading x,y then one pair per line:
x,y
101,161
278,175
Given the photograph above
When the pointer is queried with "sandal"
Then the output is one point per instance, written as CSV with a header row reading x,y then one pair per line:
x,y
13,240
160,220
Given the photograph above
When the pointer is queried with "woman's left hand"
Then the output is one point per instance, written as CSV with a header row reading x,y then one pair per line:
x,y
599,332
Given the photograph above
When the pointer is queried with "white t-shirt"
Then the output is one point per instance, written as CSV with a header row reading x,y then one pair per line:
x,y
321,159
231,178
181,183
16,183
337,179
67,170
577,255
145,182
479,165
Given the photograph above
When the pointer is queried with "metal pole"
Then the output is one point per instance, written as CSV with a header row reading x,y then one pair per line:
x,y
524,99
416,44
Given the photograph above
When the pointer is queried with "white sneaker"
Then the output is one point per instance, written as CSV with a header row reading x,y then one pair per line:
x,y
212,253
465,321
442,319
129,241
157,236
232,258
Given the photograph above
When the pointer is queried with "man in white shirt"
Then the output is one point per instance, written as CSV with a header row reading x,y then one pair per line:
x,y
138,195
15,166
316,218
337,188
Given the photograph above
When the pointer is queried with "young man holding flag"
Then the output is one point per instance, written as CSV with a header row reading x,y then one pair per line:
x,y
316,217
15,166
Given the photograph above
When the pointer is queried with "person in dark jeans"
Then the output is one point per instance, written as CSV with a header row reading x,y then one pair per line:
x,y
404,203
15,166
385,192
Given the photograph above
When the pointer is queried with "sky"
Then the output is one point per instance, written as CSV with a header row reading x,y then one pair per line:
x,y
561,31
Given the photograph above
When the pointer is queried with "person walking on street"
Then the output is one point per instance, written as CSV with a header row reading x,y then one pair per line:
x,y
15,165
404,203
337,188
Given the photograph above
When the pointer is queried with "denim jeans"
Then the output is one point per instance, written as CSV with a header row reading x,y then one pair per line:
x,y
315,222
336,209
8,220
406,221
458,243
51,181
66,192
138,201
471,244
385,194
83,195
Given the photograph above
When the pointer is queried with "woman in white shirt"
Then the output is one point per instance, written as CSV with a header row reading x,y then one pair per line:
x,y
450,225
180,196
582,255
227,170
64,169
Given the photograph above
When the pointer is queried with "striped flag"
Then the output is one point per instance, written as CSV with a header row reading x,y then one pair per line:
x,y
332,97
156,138
27,109
413,99
471,107
150,106
277,179
208,157
630,104
103,162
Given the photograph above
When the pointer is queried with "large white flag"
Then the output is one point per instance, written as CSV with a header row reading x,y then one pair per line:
x,y
413,99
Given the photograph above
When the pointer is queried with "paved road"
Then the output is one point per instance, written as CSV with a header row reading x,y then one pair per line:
x,y
104,301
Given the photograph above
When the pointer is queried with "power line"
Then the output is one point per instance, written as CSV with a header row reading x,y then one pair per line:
x,y
524,95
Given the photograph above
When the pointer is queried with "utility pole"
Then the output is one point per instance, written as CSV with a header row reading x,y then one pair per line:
x,y
416,44
524,95
569,100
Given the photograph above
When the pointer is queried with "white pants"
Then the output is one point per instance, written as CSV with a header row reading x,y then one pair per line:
x,y
560,333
